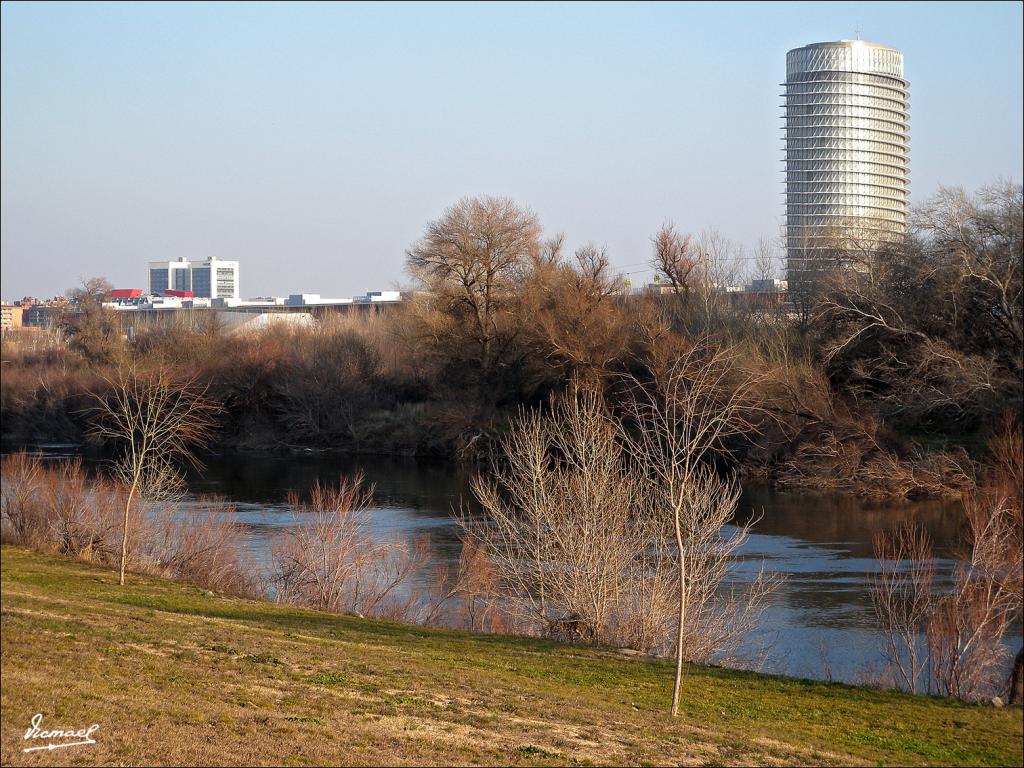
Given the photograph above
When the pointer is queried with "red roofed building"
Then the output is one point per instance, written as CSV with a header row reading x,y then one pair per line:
x,y
126,293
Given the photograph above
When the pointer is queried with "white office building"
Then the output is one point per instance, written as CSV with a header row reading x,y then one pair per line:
x,y
215,279
210,279
170,275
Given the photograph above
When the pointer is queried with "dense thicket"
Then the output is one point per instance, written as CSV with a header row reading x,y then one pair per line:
x,y
906,359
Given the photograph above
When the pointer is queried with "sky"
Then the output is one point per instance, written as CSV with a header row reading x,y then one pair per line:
x,y
313,142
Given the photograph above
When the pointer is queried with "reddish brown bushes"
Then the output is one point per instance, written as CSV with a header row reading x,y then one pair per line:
x,y
909,356
470,598
44,389
58,507
333,562
952,642
203,546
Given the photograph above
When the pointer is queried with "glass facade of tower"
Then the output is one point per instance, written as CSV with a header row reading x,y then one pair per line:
x,y
158,280
847,150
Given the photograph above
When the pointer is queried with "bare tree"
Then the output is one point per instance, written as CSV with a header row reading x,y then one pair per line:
x,y
930,328
719,269
93,290
722,258
982,236
699,271
717,618
95,331
572,309
869,335
766,265
683,421
472,261
568,532
551,251
154,422
677,256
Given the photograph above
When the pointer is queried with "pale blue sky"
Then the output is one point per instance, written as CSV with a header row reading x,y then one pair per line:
x,y
313,142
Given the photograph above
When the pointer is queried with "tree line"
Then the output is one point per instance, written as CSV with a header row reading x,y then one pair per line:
x,y
885,377
609,429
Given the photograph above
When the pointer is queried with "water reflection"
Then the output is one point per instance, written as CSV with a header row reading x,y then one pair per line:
x,y
411,498
820,623
846,522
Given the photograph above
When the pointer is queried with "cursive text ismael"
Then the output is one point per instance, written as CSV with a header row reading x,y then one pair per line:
x,y
81,736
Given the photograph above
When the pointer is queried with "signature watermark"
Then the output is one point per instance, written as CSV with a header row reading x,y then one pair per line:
x,y
82,736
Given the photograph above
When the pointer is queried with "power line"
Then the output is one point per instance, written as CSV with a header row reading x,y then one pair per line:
x,y
650,269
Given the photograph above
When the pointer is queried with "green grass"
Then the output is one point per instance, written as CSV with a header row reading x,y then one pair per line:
x,y
174,675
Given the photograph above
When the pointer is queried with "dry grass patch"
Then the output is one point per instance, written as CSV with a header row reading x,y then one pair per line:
x,y
176,676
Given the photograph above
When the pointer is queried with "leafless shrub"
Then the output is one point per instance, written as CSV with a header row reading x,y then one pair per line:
x,y
965,632
953,643
970,656
339,521
154,422
86,521
202,546
580,532
572,313
996,509
471,597
326,381
871,471
947,643
902,596
386,567
56,508
821,648
934,474
567,531
333,562
26,519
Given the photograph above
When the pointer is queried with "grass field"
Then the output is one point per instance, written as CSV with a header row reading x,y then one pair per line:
x,y
174,675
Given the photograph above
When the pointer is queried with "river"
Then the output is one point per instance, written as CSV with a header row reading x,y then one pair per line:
x,y
819,624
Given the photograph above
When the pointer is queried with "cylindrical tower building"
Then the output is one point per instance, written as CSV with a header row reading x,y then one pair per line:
x,y
847,139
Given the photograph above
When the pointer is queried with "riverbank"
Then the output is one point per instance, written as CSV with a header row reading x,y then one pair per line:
x,y
175,675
